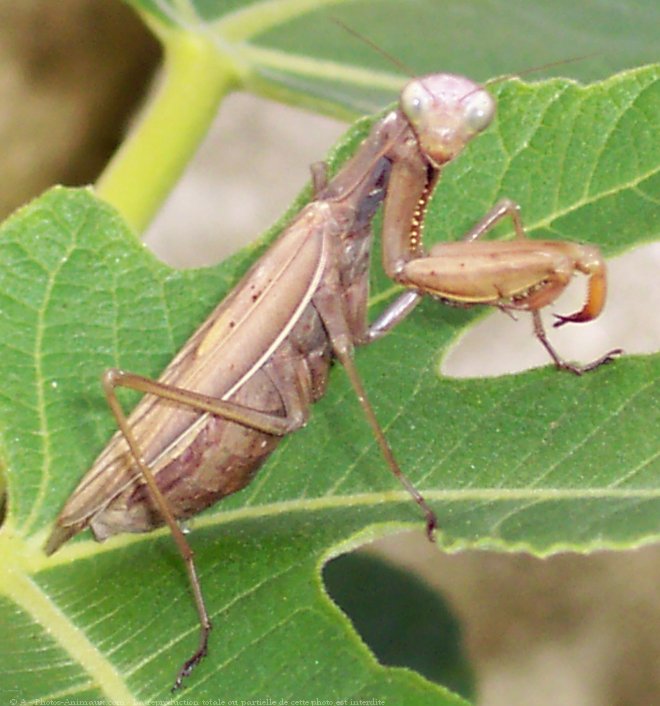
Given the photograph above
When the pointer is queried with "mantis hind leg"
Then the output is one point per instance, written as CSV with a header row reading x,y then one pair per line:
x,y
255,419
111,380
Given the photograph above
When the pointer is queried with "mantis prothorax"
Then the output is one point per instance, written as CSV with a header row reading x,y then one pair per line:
x,y
250,373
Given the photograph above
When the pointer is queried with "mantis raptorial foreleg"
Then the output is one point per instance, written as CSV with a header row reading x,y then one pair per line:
x,y
517,275
585,259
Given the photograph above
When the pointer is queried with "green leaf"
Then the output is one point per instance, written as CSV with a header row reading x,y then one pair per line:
x,y
538,461
293,51
298,45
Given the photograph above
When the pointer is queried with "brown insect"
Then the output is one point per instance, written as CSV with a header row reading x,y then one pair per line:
x,y
249,374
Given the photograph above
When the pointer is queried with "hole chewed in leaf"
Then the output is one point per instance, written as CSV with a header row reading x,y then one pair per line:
x,y
404,622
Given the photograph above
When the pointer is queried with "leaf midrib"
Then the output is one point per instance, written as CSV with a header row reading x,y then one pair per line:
x,y
86,548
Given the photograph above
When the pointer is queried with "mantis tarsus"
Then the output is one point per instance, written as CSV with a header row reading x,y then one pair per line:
x,y
250,373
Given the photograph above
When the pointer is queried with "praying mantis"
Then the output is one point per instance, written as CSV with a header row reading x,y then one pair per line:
x,y
249,375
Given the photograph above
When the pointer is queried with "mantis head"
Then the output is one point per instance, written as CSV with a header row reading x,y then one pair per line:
x,y
446,111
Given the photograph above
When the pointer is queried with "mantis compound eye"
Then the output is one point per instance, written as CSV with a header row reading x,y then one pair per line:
x,y
479,109
415,101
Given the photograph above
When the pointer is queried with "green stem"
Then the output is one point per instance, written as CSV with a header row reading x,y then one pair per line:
x,y
140,175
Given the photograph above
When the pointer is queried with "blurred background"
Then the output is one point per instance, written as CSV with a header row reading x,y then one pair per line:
x,y
567,629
